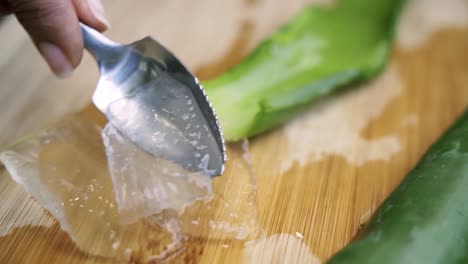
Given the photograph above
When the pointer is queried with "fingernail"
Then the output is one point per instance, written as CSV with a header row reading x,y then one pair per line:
x,y
56,59
98,11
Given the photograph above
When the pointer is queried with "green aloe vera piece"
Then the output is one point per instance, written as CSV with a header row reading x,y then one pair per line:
x,y
425,219
319,51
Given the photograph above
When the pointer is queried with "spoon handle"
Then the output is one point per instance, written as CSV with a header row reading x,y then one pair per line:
x,y
102,48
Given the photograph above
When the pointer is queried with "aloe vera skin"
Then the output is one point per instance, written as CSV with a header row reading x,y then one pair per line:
x,y
425,219
314,54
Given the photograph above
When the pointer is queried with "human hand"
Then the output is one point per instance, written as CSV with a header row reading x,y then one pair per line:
x,y
53,25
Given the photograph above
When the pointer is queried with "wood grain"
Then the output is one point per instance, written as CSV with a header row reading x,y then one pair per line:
x,y
308,208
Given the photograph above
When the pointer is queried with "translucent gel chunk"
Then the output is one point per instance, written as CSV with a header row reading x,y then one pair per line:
x,y
116,201
144,184
230,212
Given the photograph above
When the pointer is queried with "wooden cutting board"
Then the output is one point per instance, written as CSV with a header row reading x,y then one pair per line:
x,y
319,177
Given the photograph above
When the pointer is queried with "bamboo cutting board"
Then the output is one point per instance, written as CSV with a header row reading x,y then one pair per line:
x,y
319,177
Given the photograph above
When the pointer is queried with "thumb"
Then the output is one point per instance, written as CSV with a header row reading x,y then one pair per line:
x,y
53,26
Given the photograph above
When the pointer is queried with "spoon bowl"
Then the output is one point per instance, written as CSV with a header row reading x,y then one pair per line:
x,y
152,99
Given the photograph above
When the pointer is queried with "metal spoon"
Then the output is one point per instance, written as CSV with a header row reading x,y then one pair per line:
x,y
154,101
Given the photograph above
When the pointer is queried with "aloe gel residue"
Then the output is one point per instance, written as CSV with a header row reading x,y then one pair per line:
x,y
117,201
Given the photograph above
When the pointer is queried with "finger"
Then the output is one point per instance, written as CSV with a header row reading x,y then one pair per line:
x,y
53,26
92,13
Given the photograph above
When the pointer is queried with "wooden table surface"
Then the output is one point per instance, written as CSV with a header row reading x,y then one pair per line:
x,y
318,178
